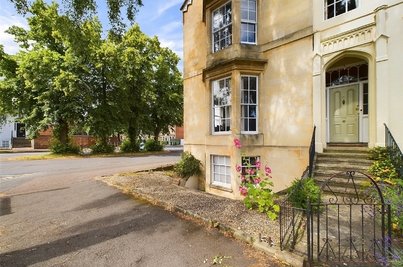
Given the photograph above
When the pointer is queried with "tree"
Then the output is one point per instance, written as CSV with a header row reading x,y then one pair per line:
x,y
165,102
44,88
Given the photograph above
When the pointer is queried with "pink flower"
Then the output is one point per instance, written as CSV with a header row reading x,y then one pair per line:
x,y
256,181
243,190
258,165
267,170
250,171
238,168
243,179
237,143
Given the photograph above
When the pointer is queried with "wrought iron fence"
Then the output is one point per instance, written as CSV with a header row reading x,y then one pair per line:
x,y
353,226
312,153
292,220
395,152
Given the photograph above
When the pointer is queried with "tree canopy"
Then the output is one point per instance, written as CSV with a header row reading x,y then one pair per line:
x,y
78,10
66,76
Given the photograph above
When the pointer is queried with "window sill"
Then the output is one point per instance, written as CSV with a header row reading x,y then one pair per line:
x,y
221,133
221,187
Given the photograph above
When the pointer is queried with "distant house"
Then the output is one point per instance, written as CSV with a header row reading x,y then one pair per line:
x,y
13,134
175,136
267,71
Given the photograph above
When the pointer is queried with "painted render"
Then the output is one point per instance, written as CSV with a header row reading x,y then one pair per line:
x,y
295,47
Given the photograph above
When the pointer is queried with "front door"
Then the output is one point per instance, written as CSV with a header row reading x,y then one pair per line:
x,y
20,130
344,114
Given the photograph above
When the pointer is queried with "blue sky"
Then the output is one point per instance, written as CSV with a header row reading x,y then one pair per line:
x,y
157,17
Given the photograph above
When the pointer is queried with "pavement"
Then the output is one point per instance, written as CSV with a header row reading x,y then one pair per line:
x,y
54,213
160,188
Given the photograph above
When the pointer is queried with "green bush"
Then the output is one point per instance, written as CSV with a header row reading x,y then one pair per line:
x,y
378,153
59,148
188,166
153,145
383,169
129,147
302,191
101,148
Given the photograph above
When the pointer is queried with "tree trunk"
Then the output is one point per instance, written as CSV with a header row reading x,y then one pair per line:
x,y
132,131
63,132
156,133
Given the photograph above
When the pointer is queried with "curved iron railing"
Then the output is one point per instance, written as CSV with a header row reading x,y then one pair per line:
x,y
395,152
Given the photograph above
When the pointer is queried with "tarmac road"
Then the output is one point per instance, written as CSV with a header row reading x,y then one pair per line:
x,y
53,213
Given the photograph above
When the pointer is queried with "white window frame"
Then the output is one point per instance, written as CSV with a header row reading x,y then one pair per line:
x,y
224,169
249,104
225,26
248,22
229,106
326,5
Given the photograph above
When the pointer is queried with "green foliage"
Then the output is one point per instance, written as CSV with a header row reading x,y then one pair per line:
x,y
303,191
383,169
391,184
102,148
153,145
59,148
129,147
393,195
256,186
188,166
378,153
67,76
78,10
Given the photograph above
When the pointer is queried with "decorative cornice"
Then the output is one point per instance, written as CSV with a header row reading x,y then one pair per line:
x,y
246,64
185,5
349,39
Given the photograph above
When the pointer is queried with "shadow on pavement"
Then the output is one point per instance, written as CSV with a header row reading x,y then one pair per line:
x,y
74,242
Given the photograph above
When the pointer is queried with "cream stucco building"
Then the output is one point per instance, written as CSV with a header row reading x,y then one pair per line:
x,y
268,71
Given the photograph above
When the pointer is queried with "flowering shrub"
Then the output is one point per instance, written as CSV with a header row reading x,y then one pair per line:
x,y
256,187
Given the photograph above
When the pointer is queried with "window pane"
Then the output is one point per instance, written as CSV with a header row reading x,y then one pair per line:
x,y
252,99
252,125
252,83
330,11
340,7
245,111
252,111
352,4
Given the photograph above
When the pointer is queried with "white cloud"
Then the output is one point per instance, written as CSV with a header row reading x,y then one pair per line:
x,y
167,5
7,20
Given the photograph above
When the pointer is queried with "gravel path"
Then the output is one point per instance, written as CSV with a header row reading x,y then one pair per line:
x,y
162,189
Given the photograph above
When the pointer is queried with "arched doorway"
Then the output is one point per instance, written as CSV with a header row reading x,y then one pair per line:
x,y
347,105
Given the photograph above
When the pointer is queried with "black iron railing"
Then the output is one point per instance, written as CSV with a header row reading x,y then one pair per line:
x,y
291,218
395,152
312,153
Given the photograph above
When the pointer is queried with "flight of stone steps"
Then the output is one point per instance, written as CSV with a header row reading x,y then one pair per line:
x,y
339,159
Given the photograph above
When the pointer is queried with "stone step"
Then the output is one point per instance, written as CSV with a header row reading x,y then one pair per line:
x,y
341,166
352,155
342,181
346,150
350,161
331,172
